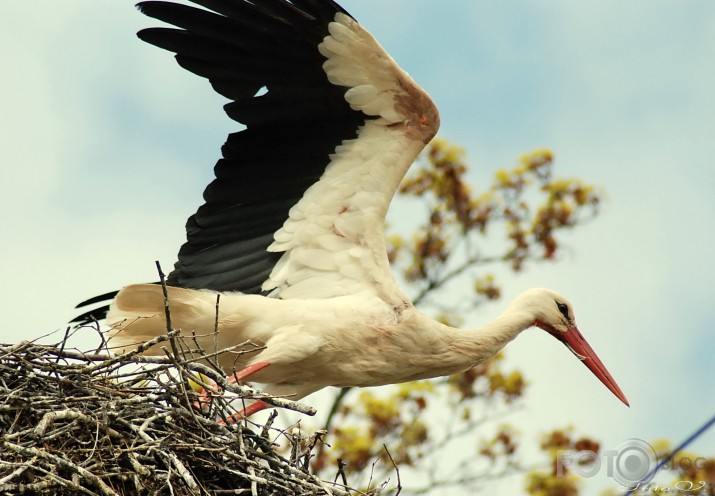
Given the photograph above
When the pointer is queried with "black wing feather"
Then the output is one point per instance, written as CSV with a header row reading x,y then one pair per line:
x,y
241,47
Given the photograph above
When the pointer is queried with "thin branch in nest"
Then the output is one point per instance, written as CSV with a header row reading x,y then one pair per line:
x,y
317,437
43,455
172,337
218,301
68,414
74,422
397,470
341,472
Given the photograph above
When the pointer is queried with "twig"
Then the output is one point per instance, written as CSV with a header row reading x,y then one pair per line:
x,y
90,423
128,356
18,471
341,472
55,460
218,300
165,291
337,402
316,438
69,414
169,328
397,470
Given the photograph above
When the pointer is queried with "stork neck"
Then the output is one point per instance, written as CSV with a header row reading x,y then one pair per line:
x,y
445,350
483,342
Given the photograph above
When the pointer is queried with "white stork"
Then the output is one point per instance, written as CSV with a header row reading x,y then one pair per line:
x,y
292,231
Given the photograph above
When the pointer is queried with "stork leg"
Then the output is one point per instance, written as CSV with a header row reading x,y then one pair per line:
x,y
205,397
257,406
248,371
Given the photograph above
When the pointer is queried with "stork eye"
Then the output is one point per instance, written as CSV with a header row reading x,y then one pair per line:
x,y
564,309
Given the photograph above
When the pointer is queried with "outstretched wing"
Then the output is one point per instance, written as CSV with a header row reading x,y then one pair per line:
x,y
298,205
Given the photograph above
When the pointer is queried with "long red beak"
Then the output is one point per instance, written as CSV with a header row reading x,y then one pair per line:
x,y
575,341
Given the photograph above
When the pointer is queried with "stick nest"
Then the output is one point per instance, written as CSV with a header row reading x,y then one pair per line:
x,y
74,422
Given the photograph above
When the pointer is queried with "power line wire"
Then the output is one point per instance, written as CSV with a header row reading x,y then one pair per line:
x,y
674,452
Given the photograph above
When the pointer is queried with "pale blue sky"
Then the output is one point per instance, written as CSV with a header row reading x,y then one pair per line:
x,y
108,145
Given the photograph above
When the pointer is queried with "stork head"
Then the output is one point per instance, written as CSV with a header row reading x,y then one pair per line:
x,y
554,314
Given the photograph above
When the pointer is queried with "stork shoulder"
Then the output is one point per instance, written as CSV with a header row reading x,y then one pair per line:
x,y
377,85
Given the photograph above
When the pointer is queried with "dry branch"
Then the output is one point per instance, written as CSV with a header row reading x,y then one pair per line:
x,y
91,423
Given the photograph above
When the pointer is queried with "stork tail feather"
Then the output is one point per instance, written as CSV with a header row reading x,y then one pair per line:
x,y
137,313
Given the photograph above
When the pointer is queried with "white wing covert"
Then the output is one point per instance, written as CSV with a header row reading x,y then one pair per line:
x,y
333,241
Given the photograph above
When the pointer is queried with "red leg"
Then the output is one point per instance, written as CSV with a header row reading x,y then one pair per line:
x,y
205,397
254,407
248,371
246,412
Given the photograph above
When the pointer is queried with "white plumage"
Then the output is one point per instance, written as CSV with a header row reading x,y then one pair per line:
x,y
296,214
